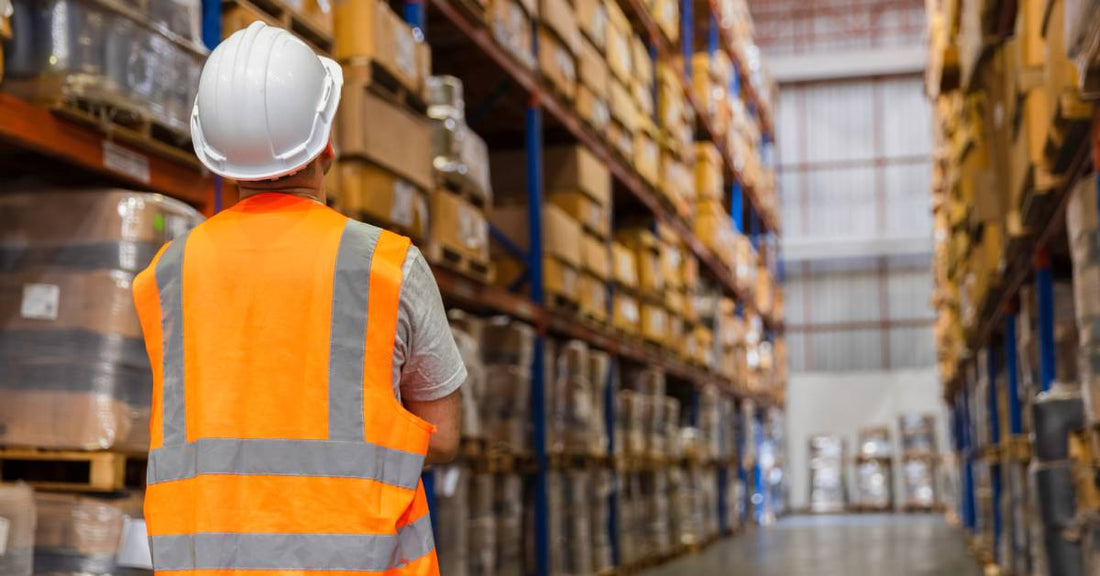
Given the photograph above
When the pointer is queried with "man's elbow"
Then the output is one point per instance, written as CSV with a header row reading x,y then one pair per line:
x,y
443,450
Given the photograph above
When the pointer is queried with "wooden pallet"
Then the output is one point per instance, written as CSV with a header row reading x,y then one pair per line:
x,y
462,186
577,461
456,261
73,470
911,508
280,13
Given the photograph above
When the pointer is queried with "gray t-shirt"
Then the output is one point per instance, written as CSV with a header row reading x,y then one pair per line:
x,y
426,362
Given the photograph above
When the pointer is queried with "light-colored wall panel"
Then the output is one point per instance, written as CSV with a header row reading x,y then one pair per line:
x,y
853,350
839,123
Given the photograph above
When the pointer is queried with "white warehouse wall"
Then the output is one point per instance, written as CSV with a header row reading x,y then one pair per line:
x,y
842,403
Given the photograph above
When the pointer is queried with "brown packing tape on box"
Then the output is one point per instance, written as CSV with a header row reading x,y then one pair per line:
x,y
369,31
367,128
379,196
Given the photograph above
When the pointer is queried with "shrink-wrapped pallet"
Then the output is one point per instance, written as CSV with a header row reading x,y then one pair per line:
x,y
472,390
509,514
81,536
599,513
74,369
17,520
828,492
69,51
482,537
599,379
451,515
578,556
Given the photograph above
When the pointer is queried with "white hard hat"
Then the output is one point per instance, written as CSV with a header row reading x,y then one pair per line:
x,y
265,105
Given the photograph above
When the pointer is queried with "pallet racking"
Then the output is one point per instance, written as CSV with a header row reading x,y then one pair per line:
x,y
111,154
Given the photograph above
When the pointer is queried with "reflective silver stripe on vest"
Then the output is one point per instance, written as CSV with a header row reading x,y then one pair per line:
x,y
333,552
169,276
319,458
347,341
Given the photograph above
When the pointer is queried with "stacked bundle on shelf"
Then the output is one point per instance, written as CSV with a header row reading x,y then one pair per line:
x,y
110,70
625,311
828,491
599,378
625,116
599,513
593,75
631,515
507,347
653,315
510,514
656,511
510,24
313,21
559,40
712,222
647,152
919,460
874,470
379,179
481,524
473,389
76,373
1083,234
578,522
20,517
677,133
572,420
451,513
84,535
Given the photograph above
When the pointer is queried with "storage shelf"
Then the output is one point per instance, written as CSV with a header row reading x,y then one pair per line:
x,y
747,87
1020,264
637,12
477,296
567,117
36,128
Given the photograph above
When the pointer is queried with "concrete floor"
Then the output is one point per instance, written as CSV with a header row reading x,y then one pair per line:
x,y
863,545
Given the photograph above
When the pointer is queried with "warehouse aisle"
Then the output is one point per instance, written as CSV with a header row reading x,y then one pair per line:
x,y
899,545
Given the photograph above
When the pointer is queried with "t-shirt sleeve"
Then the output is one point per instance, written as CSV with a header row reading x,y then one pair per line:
x,y
433,367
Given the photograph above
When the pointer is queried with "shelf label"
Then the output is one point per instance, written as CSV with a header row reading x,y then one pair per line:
x,y
133,548
40,301
126,162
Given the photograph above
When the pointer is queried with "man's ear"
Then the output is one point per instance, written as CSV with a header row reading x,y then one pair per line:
x,y
328,156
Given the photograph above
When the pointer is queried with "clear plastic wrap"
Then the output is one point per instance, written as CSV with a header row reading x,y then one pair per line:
x,y
828,492
873,482
73,367
107,54
506,406
918,474
482,537
599,374
505,341
473,389
509,515
451,516
918,433
599,514
17,513
578,524
81,536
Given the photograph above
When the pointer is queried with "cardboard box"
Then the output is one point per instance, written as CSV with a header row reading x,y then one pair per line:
x,y
619,50
621,139
666,14
592,17
672,259
643,98
654,323
317,14
647,256
593,297
383,198
367,124
1029,32
560,279
510,23
368,31
460,226
557,64
593,109
561,234
559,17
625,314
592,69
594,218
708,172
574,168
625,265
641,61
647,157
616,18
623,108
674,302
596,257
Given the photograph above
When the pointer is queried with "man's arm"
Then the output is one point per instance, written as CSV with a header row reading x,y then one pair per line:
x,y
446,415
433,370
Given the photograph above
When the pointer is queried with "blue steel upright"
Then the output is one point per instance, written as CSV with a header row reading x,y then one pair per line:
x,y
415,15
533,126
211,23
1015,408
687,34
613,494
994,440
737,207
970,511
1044,279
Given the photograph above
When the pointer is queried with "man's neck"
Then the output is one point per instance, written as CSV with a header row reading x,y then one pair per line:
x,y
306,192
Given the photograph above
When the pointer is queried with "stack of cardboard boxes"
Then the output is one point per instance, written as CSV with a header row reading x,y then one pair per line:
x,y
510,24
311,20
677,121
592,67
653,316
559,41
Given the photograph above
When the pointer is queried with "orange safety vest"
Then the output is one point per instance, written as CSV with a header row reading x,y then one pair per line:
x,y
277,445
